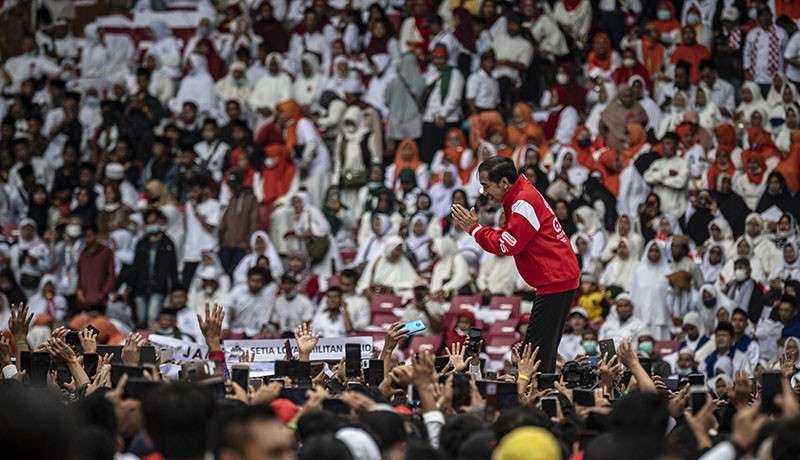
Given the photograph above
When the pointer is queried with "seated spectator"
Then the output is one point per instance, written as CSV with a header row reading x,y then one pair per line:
x,y
621,323
723,339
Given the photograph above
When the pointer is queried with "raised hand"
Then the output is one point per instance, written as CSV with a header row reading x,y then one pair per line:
x,y
395,335
19,322
61,351
456,354
131,351
528,364
5,350
88,340
211,325
306,341
424,370
626,354
463,218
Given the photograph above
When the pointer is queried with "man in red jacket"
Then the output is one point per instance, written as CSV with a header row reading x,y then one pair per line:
x,y
541,250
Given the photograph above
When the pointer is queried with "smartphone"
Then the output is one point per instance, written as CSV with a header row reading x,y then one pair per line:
x,y
607,348
550,405
114,350
440,363
240,375
593,360
282,368
474,341
337,406
90,361
413,327
300,372
546,381
36,364
74,341
352,360
697,379
672,383
697,398
147,354
94,330
583,397
770,387
138,389
117,371
255,382
373,375
461,390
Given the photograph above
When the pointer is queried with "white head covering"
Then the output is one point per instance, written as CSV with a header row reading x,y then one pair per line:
x,y
359,443
161,30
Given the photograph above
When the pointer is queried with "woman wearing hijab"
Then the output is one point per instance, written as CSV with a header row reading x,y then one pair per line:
x,y
451,275
441,193
196,86
789,165
567,176
304,142
352,156
626,227
260,245
785,230
588,222
46,302
730,205
778,195
713,262
380,39
581,246
391,272
383,202
751,185
665,24
402,96
312,231
455,152
273,87
720,233
166,48
381,226
576,18
752,101
649,288
722,156
673,117
790,114
791,261
620,269
602,60
743,248
307,87
418,243
407,156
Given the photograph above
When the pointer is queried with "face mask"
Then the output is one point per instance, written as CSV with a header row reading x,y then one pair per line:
x,y
683,371
208,135
753,13
73,230
291,295
111,207
628,62
646,347
589,346
152,228
693,18
562,78
741,274
663,15
583,143
710,303
209,290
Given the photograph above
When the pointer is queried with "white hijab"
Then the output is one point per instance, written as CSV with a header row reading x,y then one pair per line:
x,y
649,287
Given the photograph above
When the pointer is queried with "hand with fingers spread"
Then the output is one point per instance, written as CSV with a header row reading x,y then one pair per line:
x,y
359,402
528,364
443,393
211,326
456,355
59,333
747,425
402,376
5,350
626,354
101,379
131,351
306,341
609,370
116,394
741,394
395,334
19,322
701,423
61,351
464,218
677,402
267,393
88,340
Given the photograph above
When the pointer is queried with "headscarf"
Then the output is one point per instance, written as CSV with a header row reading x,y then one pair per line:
x,y
726,137
620,271
123,254
577,174
361,445
401,164
755,178
454,153
593,59
401,93
711,271
291,110
757,103
464,32
161,30
517,132
571,94
649,287
637,138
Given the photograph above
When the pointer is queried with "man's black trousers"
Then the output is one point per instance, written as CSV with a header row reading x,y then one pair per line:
x,y
547,321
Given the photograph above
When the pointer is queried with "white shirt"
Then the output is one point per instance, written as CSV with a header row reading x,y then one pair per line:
x,y
760,39
616,330
212,156
197,237
450,107
515,49
793,52
722,93
548,36
483,89
670,188
247,312
288,314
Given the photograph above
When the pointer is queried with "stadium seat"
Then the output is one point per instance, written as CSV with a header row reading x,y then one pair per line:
x,y
421,343
383,319
384,303
666,347
377,335
511,303
506,327
500,340
462,302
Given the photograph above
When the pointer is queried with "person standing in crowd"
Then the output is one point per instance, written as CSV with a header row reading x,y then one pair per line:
x,y
202,222
763,50
96,270
239,220
534,237
155,269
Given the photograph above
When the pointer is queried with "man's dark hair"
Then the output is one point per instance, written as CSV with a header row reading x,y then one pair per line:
x,y
233,422
154,212
175,417
683,65
435,19
739,311
259,271
349,273
142,72
33,424
498,168
790,299
386,427
487,55
512,419
325,447
456,431
708,64
724,326
316,423
742,262
335,289
672,135
786,443
90,226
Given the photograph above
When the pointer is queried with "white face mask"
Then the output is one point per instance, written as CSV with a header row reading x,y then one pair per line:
x,y
209,290
693,18
73,230
753,13
741,274
562,78
628,62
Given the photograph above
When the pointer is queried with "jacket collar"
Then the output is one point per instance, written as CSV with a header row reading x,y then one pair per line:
x,y
511,194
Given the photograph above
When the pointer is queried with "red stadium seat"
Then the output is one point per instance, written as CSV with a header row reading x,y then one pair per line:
x,y
506,327
462,302
384,303
511,303
383,319
377,336
421,343
501,340
666,347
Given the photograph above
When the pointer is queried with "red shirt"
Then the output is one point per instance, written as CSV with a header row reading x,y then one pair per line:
x,y
96,273
534,237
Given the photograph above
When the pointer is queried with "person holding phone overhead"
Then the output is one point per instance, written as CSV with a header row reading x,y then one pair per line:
x,y
540,247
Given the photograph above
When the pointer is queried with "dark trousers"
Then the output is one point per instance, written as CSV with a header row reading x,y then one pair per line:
x,y
230,258
548,316
188,273
432,139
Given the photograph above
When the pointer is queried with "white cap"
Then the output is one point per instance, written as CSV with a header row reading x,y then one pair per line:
x,y
238,65
208,273
115,171
579,311
692,318
645,333
27,221
730,13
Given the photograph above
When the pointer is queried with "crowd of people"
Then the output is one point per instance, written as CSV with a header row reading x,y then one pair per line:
x,y
296,163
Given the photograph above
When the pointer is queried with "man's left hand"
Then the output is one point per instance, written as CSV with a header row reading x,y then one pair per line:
x,y
464,218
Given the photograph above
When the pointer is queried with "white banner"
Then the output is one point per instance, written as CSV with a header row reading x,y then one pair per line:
x,y
331,348
181,349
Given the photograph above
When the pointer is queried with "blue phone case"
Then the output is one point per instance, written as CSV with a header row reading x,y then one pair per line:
x,y
414,327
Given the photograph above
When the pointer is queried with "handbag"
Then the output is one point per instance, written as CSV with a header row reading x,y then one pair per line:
x,y
317,247
354,178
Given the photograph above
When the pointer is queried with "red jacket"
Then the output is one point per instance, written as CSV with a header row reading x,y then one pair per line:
x,y
534,237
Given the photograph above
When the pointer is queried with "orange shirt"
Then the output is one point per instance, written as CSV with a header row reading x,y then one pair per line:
x,y
692,54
